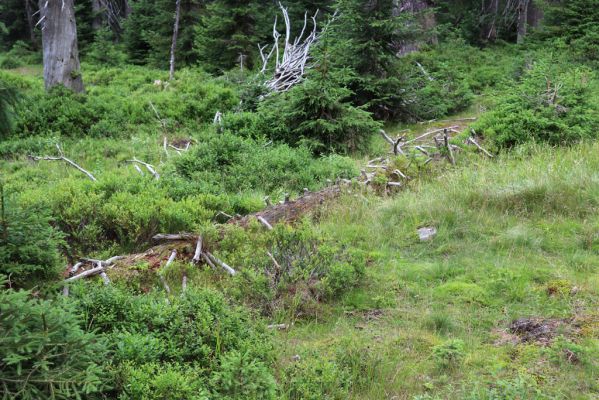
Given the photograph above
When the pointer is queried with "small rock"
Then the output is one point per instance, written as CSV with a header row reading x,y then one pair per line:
x,y
427,233
296,357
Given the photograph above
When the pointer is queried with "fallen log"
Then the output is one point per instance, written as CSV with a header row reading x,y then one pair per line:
x,y
90,272
292,210
165,237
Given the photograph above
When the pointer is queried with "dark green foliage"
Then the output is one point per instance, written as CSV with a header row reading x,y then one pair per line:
x,y
432,87
242,377
104,50
8,98
189,348
231,28
317,113
60,111
29,245
231,163
363,38
576,22
552,104
44,354
118,104
148,31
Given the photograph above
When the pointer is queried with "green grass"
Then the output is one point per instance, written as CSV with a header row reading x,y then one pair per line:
x,y
509,229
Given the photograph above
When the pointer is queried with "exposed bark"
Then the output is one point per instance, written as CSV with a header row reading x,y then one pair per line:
x,y
522,20
59,43
174,43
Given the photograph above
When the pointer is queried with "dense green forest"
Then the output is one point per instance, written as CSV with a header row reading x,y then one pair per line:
x,y
311,199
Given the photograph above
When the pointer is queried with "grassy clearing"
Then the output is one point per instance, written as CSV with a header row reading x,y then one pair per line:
x,y
517,238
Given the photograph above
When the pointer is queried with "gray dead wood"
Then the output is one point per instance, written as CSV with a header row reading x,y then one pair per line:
x,y
198,253
215,260
62,157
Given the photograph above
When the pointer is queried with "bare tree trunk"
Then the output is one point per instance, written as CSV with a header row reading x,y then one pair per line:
x,y
492,28
522,20
59,43
535,15
175,34
97,15
30,24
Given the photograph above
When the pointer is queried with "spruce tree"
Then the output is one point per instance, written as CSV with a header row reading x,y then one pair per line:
x,y
365,36
231,30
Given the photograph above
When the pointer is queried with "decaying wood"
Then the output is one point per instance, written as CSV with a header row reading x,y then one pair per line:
x,y
105,278
62,157
280,327
264,222
85,274
162,237
290,67
184,282
448,147
424,135
215,260
293,210
167,288
149,167
474,142
75,268
198,253
170,259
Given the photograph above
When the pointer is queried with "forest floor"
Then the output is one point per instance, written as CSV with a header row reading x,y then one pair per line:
x,y
517,241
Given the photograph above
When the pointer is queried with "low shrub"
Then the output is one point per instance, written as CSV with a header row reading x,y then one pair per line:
x,y
44,352
553,104
29,245
315,378
230,163
449,354
317,113
195,346
304,269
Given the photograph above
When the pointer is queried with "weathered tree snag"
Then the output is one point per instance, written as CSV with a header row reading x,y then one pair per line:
x,y
30,24
424,18
290,67
59,43
174,43
491,34
97,15
522,20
